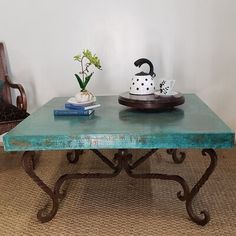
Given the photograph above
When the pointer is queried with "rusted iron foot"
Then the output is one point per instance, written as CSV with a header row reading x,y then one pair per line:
x,y
73,156
178,157
28,165
205,217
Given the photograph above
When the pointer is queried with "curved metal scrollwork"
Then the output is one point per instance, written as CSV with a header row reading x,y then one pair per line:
x,y
205,215
117,167
43,214
129,167
27,163
73,156
122,159
187,195
178,158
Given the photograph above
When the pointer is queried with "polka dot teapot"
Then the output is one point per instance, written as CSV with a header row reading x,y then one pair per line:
x,y
143,83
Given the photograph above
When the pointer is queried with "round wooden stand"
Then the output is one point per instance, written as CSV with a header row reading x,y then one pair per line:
x,y
151,101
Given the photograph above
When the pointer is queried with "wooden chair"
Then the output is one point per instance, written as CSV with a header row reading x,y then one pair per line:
x,y
18,112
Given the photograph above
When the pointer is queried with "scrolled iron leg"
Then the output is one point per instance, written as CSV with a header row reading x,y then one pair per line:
x,y
122,159
28,165
34,160
115,166
205,215
73,156
177,158
186,195
129,167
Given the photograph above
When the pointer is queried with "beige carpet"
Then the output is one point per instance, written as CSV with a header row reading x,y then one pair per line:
x,y
118,206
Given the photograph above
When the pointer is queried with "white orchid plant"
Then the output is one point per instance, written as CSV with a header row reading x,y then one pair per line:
x,y
86,60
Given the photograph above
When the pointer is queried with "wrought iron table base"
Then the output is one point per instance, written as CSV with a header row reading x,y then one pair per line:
x,y
122,160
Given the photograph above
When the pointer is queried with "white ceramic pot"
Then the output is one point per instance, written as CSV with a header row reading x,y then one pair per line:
x,y
84,96
142,85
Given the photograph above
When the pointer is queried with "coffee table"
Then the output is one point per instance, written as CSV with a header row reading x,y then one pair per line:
x,y
113,126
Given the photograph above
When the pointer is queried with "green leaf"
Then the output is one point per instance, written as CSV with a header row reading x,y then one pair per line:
x,y
77,58
87,54
93,59
87,78
81,84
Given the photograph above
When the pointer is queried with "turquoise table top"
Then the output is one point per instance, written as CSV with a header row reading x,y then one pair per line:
x,y
113,126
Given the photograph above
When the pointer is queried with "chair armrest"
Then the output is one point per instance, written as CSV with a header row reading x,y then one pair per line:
x,y
21,100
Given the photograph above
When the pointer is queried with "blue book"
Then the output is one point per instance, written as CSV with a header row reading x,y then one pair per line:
x,y
80,107
70,112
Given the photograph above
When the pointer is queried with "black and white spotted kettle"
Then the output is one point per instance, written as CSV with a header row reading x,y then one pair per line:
x,y
143,83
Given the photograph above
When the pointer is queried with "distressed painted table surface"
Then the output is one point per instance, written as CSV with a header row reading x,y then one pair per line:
x,y
113,126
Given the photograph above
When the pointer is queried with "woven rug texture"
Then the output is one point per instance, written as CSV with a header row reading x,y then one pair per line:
x,y
120,205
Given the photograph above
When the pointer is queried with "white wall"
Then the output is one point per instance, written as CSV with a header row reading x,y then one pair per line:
x,y
193,41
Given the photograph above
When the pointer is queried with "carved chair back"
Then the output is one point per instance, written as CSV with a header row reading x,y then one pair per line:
x,y
5,93
10,114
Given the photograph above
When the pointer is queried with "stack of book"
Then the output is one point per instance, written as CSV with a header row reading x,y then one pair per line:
x,y
72,109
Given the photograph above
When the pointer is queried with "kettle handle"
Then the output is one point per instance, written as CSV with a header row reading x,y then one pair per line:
x,y
142,61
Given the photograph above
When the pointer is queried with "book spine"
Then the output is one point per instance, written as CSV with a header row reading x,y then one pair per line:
x,y
72,113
